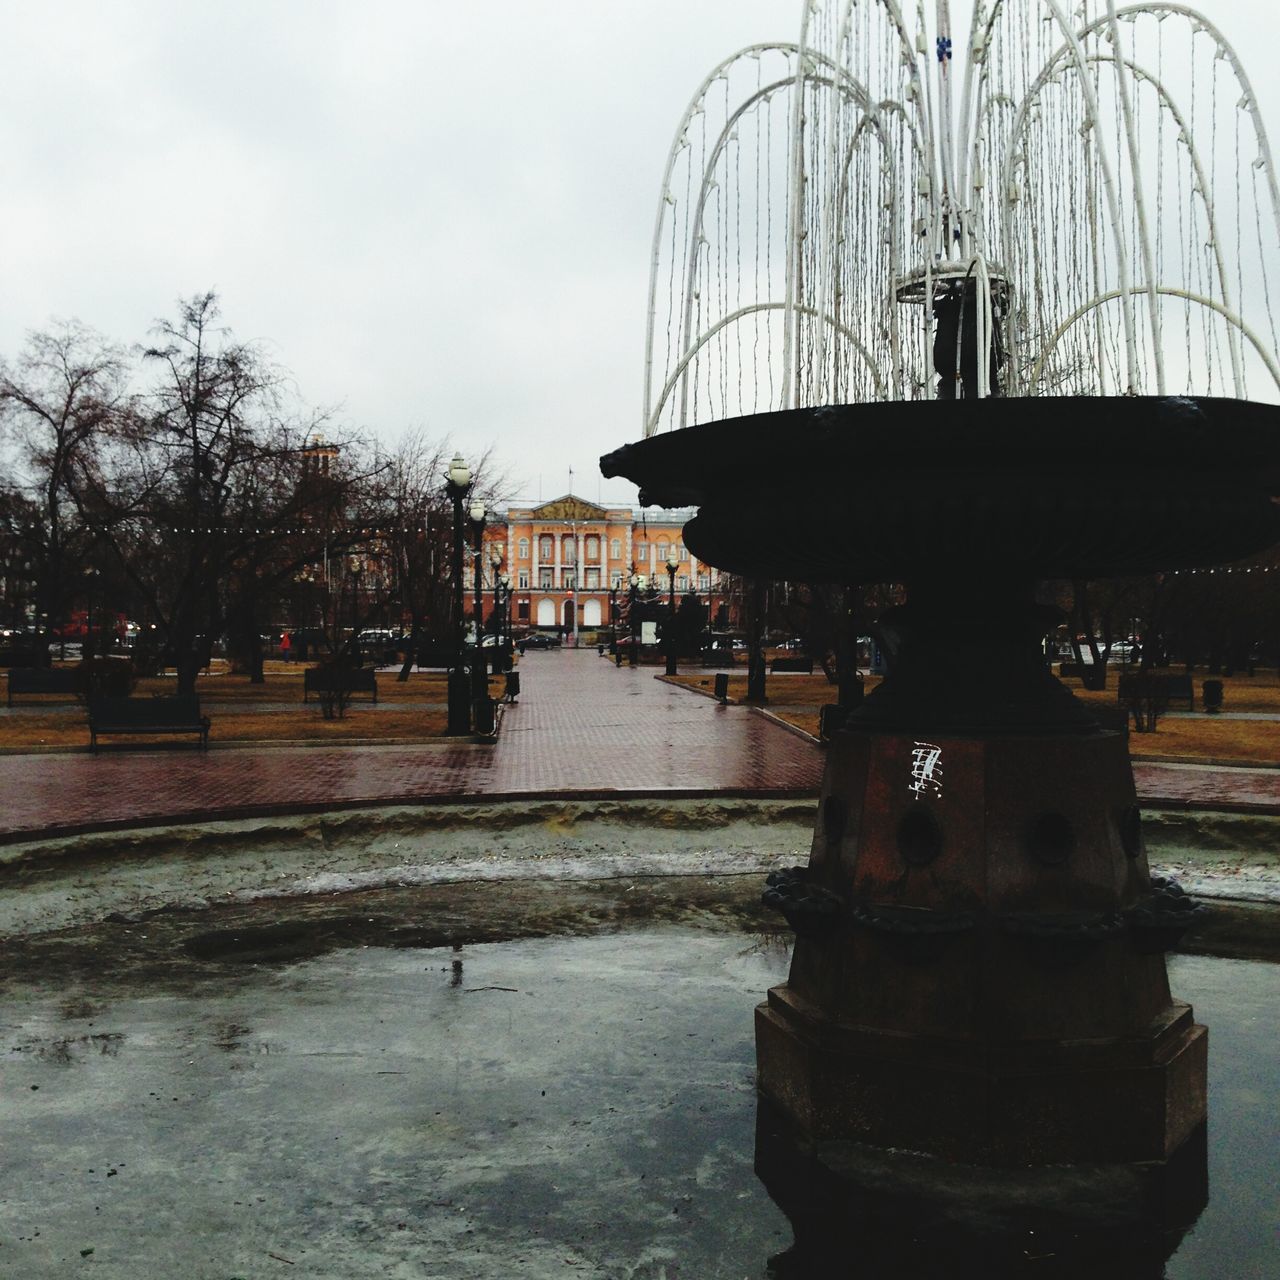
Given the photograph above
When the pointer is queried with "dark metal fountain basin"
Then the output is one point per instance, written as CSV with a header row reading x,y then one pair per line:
x,y
1048,487
977,971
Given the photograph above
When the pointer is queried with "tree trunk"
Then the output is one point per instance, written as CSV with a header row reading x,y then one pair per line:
x,y
187,664
256,674
411,652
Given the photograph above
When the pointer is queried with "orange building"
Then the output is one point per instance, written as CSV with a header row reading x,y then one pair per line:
x,y
564,556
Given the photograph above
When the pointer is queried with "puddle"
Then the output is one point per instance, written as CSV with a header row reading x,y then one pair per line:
x,y
540,1107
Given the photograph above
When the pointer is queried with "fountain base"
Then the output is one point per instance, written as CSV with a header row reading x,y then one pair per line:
x,y
979,971
998,1103
906,1215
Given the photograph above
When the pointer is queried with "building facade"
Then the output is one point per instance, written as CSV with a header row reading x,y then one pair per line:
x,y
570,561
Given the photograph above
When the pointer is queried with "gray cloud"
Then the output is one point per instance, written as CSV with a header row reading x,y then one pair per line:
x,y
436,213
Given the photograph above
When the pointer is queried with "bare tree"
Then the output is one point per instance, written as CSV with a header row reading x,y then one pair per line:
x,y
167,491
67,395
420,518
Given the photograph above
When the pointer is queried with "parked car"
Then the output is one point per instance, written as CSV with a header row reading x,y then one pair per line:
x,y
724,644
538,640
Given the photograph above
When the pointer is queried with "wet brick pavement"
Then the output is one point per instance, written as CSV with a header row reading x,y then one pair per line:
x,y
582,727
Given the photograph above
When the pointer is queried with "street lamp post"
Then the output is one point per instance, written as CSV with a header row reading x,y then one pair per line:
x,y
672,565
499,578
458,482
504,620
479,675
755,642
90,579
633,655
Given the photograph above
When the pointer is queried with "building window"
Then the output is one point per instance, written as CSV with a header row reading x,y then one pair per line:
x,y
570,552
662,552
523,580
523,546
569,580
642,553
704,582
546,581
545,549
615,578
682,583
593,548
681,553
593,579
615,549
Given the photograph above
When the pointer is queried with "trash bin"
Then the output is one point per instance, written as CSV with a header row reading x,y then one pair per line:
x,y
1212,695
484,715
512,691
831,718
722,686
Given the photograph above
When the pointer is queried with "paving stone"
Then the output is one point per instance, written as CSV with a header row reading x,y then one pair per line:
x,y
582,726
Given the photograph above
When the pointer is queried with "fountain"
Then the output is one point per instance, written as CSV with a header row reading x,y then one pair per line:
x,y
979,970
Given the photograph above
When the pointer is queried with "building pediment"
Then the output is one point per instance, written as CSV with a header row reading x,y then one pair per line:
x,y
569,508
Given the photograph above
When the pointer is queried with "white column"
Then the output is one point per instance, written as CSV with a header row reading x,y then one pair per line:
x,y
559,540
535,578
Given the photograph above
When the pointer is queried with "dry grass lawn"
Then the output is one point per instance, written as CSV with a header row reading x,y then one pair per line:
x,y
790,690
796,699
246,713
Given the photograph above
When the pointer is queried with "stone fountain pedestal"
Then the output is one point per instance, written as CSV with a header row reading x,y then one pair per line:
x,y
978,970
979,963
987,992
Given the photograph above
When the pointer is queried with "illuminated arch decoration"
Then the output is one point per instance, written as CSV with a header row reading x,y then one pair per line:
x,y
1097,175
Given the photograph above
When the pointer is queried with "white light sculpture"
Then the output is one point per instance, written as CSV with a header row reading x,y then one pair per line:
x,y
1096,181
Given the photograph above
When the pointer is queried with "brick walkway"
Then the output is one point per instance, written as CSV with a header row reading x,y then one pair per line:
x,y
582,728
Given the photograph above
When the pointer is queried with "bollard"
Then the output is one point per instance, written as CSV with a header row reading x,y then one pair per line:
x,y
459,701
513,686
1212,695
722,686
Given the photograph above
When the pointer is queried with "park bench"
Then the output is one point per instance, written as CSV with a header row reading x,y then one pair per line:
x,y
179,713
799,663
1113,719
334,679
1180,687
719,655
435,659
1168,686
42,680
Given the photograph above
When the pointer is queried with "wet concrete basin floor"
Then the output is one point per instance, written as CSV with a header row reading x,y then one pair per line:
x,y
535,1107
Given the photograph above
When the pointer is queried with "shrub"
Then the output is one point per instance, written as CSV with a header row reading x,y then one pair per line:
x,y
99,677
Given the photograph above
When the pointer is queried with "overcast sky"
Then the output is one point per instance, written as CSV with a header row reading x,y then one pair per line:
x,y
435,214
